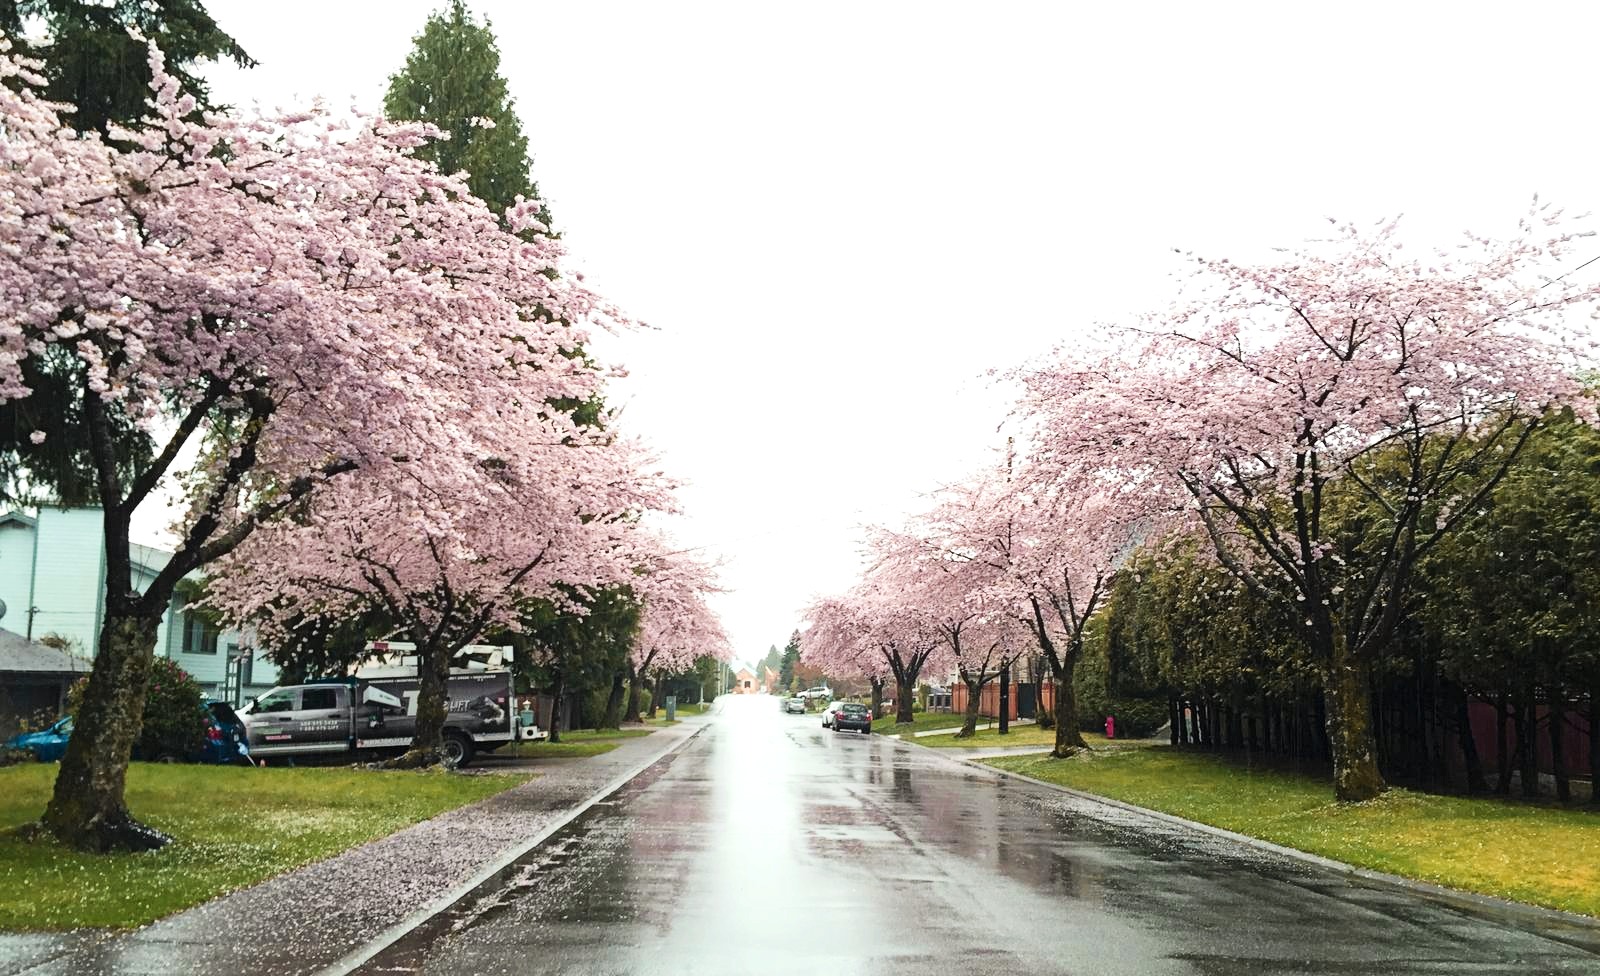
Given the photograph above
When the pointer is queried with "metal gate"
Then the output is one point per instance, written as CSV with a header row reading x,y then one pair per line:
x,y
1025,702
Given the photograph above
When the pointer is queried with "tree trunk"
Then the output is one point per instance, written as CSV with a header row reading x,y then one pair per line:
x,y
1005,699
87,810
1042,718
1469,745
635,680
433,707
902,701
612,719
1068,737
655,694
1503,759
1594,745
877,697
1527,743
1319,709
1558,753
557,690
969,721
1355,762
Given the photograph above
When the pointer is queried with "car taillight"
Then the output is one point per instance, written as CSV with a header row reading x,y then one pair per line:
x,y
214,734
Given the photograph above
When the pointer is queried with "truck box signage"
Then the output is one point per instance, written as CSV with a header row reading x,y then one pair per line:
x,y
379,712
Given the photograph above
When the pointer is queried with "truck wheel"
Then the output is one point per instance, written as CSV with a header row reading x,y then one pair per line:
x,y
457,750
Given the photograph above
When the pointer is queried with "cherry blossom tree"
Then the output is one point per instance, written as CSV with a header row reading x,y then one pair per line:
x,y
1412,383
446,563
676,624
1044,542
959,554
889,622
299,297
838,643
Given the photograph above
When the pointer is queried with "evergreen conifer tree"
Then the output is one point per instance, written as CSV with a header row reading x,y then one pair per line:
x,y
452,79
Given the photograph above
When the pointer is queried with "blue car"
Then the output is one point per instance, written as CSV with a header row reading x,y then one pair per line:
x,y
47,745
225,742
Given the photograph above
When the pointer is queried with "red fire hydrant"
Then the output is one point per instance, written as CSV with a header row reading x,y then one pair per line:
x,y
1111,726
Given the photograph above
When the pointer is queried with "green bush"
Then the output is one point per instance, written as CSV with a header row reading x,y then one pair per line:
x,y
174,719
644,701
1137,715
594,707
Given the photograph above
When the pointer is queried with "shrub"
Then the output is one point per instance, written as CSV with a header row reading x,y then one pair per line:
x,y
1137,715
644,701
173,723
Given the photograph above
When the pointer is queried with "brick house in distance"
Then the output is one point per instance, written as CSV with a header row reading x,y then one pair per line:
x,y
744,682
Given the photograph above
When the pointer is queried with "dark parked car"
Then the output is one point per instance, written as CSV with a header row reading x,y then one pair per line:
x,y
47,745
851,715
225,740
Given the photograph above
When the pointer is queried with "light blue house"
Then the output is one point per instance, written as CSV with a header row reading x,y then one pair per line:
x,y
52,572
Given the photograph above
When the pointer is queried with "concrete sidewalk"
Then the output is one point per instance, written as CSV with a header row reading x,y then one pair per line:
x,y
983,725
310,918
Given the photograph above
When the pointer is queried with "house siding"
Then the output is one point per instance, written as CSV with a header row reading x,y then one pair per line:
x,y
55,563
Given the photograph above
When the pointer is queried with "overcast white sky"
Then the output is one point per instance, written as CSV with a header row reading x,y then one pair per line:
x,y
839,215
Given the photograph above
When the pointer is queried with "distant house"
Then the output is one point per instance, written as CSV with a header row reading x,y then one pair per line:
x,y
769,680
744,682
52,579
34,679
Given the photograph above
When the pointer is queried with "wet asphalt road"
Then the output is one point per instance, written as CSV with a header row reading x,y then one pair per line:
x,y
770,845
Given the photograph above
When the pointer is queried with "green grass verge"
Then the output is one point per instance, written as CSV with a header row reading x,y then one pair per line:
x,y
1020,735
574,744
233,827
1541,854
920,722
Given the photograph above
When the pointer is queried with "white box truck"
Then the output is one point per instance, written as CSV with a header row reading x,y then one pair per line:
x,y
374,707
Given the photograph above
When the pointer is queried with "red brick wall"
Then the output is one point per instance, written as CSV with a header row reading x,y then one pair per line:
x,y
989,700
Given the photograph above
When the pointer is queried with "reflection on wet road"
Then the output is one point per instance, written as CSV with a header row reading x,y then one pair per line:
x,y
770,845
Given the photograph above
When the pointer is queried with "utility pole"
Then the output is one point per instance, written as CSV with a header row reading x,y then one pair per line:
x,y
1005,695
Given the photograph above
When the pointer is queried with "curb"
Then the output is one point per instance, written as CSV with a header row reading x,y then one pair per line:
x,y
1453,896
383,940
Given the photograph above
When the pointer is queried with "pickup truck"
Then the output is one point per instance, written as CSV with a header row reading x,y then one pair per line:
x,y
375,708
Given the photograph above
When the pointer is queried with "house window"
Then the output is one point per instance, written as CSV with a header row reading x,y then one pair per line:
x,y
199,634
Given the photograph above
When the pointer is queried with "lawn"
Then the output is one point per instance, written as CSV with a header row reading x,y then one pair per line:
x,y
574,744
233,827
1020,735
920,722
1537,853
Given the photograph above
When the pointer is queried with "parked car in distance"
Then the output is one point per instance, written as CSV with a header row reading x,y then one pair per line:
x,y
820,691
851,715
795,706
47,745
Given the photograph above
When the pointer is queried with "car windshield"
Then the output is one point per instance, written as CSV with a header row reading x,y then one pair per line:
x,y
64,727
275,701
852,708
